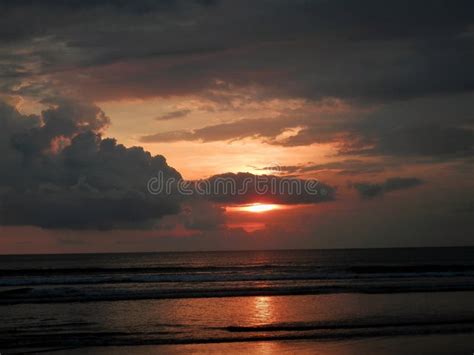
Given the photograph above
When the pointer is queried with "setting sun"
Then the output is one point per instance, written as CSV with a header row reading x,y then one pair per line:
x,y
257,207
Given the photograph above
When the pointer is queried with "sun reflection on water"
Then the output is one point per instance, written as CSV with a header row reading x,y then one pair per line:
x,y
263,309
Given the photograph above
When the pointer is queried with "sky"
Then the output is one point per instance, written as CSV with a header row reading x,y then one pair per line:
x,y
372,100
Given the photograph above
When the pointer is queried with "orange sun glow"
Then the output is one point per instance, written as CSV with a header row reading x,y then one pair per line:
x,y
257,207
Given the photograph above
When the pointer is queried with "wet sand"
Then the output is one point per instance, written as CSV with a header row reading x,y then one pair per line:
x,y
430,344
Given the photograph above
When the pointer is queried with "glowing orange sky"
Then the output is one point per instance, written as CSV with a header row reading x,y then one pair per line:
x,y
337,102
195,159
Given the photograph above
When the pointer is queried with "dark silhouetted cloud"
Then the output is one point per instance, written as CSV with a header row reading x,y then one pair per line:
x,y
173,114
312,49
429,139
89,182
244,188
224,131
342,167
370,190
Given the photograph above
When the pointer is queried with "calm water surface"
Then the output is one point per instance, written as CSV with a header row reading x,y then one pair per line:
x,y
183,300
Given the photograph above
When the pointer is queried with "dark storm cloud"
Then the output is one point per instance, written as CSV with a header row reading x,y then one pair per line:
x,y
466,207
370,190
438,127
249,188
367,19
356,49
29,18
88,183
196,215
65,120
424,140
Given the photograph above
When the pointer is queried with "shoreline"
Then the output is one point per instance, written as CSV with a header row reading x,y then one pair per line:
x,y
445,344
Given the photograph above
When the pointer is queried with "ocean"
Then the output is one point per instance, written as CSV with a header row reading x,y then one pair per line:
x,y
331,301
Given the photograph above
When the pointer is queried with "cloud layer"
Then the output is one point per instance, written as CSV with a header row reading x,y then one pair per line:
x,y
405,62
370,190
60,173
